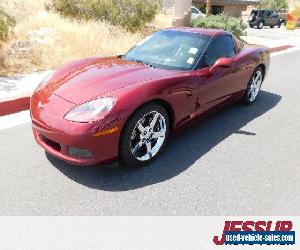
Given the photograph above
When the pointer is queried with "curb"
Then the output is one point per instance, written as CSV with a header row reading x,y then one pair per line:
x,y
15,105
280,48
22,103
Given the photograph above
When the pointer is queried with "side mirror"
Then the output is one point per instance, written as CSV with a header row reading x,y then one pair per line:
x,y
222,63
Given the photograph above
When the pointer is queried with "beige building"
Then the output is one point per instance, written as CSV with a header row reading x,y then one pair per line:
x,y
179,10
293,4
231,7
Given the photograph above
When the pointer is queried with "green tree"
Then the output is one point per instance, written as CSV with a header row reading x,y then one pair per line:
x,y
222,22
134,15
6,23
274,4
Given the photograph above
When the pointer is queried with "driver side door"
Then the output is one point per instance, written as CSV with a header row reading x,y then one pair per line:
x,y
216,85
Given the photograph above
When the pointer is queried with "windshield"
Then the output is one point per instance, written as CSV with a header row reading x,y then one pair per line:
x,y
169,50
254,12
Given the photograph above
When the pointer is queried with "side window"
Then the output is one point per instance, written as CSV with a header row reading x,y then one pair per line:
x,y
239,44
221,47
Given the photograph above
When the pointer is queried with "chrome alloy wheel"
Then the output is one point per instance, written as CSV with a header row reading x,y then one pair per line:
x,y
148,136
255,85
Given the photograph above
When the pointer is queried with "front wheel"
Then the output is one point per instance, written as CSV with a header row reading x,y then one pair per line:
x,y
254,86
144,136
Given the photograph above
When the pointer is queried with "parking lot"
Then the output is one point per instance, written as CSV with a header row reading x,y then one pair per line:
x,y
243,160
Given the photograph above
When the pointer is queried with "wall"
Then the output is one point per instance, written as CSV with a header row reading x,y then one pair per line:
x,y
235,10
294,3
179,9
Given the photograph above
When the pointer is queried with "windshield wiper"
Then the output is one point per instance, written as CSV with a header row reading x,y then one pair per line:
x,y
141,61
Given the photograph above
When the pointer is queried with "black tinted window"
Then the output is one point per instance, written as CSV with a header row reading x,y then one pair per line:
x,y
274,14
254,13
220,47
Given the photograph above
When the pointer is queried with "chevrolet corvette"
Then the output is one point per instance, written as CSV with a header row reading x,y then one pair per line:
x,y
125,107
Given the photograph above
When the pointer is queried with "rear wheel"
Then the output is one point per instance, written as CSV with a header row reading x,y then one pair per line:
x,y
260,25
254,86
144,136
279,25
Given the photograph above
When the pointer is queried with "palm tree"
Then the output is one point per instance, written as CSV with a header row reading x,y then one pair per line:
x,y
208,7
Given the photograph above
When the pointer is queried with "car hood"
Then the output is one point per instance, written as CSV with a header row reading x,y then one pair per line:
x,y
84,80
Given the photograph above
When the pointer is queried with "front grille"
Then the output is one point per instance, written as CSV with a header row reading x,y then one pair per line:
x,y
56,146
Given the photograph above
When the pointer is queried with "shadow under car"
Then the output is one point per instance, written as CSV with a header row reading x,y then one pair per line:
x,y
184,149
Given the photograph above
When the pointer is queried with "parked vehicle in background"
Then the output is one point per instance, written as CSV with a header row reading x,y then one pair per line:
x,y
261,18
196,13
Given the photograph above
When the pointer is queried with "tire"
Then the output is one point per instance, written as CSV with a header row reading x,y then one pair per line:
x,y
143,139
260,25
279,25
251,25
253,87
272,27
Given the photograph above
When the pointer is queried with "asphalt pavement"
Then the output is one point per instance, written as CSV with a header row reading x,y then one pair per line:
x,y
243,160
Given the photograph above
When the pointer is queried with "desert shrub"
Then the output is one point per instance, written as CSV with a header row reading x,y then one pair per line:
x,y
274,4
6,23
131,14
222,22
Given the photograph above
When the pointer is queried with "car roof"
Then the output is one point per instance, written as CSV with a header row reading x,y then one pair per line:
x,y
202,31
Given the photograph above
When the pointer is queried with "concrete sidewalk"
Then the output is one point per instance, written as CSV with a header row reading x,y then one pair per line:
x,y
293,42
20,86
15,91
273,38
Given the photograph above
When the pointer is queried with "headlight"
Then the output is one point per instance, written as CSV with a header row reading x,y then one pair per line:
x,y
44,81
91,111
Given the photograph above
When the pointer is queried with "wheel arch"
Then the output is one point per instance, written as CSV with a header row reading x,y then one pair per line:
x,y
165,104
263,67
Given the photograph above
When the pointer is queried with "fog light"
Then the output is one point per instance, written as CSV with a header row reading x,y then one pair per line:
x,y
81,153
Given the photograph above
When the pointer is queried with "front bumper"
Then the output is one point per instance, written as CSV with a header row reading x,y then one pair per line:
x,y
73,142
62,144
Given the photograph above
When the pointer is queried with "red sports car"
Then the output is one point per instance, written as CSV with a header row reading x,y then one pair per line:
x,y
125,107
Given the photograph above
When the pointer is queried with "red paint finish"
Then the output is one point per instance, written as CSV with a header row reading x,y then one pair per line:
x,y
187,93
